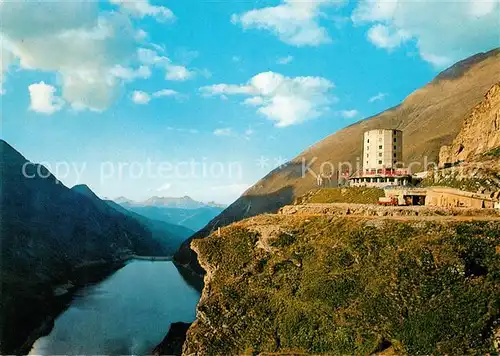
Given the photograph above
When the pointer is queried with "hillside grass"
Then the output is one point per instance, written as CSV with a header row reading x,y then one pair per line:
x,y
354,195
350,287
494,153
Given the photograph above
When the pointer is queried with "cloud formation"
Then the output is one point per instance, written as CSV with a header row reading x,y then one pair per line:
x,y
141,97
93,52
349,114
295,22
142,8
285,60
43,99
6,59
226,131
378,97
286,101
174,72
85,48
443,31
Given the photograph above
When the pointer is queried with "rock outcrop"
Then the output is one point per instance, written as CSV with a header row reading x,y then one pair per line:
x,y
480,133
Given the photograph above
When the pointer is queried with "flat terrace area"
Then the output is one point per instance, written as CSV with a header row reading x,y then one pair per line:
x,y
396,212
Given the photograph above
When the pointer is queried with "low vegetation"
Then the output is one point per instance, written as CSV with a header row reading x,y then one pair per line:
x,y
494,153
324,285
355,195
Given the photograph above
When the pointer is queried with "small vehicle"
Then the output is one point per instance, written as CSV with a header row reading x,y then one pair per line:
x,y
387,201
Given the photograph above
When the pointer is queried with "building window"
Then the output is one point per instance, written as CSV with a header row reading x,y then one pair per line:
x,y
366,162
379,147
394,155
395,132
367,148
368,141
379,162
395,139
395,162
379,131
367,155
395,148
380,154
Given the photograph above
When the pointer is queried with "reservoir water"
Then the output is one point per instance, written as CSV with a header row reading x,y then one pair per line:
x,y
128,313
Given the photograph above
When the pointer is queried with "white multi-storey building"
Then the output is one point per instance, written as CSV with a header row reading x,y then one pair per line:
x,y
383,149
382,160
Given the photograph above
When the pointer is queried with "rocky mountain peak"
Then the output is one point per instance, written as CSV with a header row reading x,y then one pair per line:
x,y
480,132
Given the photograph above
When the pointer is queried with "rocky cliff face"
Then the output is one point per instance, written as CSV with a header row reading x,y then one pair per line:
x,y
480,133
281,284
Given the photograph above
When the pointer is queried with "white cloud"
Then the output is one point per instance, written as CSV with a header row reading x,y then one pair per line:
x,y
349,114
141,35
384,37
140,97
164,187
285,60
93,52
295,22
173,71
43,99
254,101
180,129
236,59
129,74
6,59
284,100
90,51
249,132
178,73
165,92
226,131
379,96
222,89
142,8
443,31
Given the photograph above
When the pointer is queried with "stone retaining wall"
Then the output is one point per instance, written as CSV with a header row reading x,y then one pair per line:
x,y
342,209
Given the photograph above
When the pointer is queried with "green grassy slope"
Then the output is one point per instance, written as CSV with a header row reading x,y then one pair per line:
x,y
348,286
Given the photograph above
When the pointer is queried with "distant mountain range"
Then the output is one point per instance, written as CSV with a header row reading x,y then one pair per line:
x,y
184,202
183,211
51,235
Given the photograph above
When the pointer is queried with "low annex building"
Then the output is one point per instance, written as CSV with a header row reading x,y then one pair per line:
x,y
443,197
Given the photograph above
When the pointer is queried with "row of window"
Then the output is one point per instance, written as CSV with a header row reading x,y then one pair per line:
x,y
380,155
380,140
380,162
380,147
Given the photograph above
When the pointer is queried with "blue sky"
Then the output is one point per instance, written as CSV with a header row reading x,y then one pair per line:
x,y
203,98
